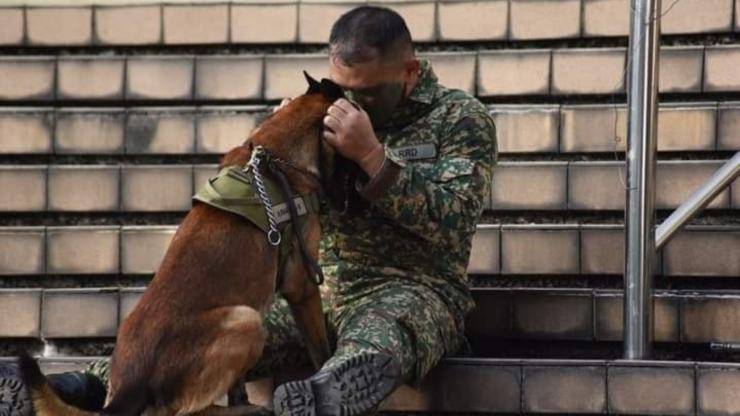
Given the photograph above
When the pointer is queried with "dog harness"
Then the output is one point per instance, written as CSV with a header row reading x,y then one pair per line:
x,y
268,202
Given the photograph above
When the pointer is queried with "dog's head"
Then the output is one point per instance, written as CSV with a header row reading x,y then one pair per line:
x,y
338,174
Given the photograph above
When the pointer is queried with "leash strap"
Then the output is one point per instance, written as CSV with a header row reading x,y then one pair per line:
x,y
317,273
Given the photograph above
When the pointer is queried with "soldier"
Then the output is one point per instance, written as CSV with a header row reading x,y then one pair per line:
x,y
397,290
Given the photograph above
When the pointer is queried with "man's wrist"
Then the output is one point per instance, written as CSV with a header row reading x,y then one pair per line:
x,y
372,161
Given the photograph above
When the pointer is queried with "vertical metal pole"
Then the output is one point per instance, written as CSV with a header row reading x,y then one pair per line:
x,y
642,97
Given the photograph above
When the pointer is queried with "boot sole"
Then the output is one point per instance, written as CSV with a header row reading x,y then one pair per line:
x,y
353,388
14,398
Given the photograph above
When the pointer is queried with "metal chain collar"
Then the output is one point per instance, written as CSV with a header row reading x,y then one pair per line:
x,y
260,156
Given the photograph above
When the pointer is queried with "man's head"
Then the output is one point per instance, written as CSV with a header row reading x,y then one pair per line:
x,y
372,58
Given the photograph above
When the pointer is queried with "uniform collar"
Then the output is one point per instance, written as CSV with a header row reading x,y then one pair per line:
x,y
426,85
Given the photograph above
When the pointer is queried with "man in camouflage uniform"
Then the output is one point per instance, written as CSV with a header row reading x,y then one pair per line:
x,y
396,291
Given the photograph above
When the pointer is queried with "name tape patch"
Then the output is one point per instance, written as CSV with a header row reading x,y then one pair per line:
x,y
282,212
417,151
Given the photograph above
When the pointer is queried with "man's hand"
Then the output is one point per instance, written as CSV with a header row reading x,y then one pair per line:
x,y
351,134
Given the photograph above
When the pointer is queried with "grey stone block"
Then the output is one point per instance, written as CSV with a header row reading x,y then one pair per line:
x,y
687,128
718,389
315,19
218,130
484,253
555,389
588,71
75,313
710,318
530,185
90,78
610,313
68,26
88,130
554,314
83,188
128,25
159,78
21,310
143,247
195,23
602,249
454,69
26,130
514,72
12,25
596,185
473,20
156,187
283,77
697,16
228,77
539,250
23,187
593,128
160,131
264,23
720,68
27,77
526,129
82,250
703,252
439,395
681,69
22,250
665,390
544,19
606,18
728,126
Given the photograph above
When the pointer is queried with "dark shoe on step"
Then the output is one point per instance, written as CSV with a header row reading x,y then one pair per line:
x,y
354,387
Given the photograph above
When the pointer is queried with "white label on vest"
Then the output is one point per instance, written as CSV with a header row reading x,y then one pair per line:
x,y
282,212
417,151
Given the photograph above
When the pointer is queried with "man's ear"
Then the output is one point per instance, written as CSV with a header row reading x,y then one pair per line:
x,y
331,90
313,85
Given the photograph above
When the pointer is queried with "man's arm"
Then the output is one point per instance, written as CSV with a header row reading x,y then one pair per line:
x,y
437,205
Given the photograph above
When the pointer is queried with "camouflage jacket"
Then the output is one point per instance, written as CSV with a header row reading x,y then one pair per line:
x,y
440,149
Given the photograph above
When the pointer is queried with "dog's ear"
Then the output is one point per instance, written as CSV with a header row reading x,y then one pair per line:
x,y
313,85
331,90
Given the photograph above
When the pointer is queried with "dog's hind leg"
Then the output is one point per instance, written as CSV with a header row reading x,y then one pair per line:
x,y
237,339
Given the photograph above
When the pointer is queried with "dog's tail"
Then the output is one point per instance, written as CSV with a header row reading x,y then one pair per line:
x,y
46,402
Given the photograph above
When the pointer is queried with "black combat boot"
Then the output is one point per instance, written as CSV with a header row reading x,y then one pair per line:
x,y
354,387
81,390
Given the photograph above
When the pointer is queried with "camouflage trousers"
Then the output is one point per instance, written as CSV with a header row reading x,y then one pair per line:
x,y
407,321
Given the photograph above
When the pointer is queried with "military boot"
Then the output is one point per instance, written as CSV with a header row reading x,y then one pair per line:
x,y
354,387
79,389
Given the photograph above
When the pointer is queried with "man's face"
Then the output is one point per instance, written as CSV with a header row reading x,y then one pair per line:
x,y
376,85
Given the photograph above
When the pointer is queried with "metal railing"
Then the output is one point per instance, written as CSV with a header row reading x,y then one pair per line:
x,y
697,201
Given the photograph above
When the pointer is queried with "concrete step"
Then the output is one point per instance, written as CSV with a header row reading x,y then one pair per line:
x,y
114,23
556,72
508,249
549,186
535,386
521,129
502,314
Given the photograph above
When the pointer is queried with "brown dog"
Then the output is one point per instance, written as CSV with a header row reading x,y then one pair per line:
x,y
198,327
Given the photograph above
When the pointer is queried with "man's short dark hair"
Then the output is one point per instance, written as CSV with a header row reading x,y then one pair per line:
x,y
367,32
